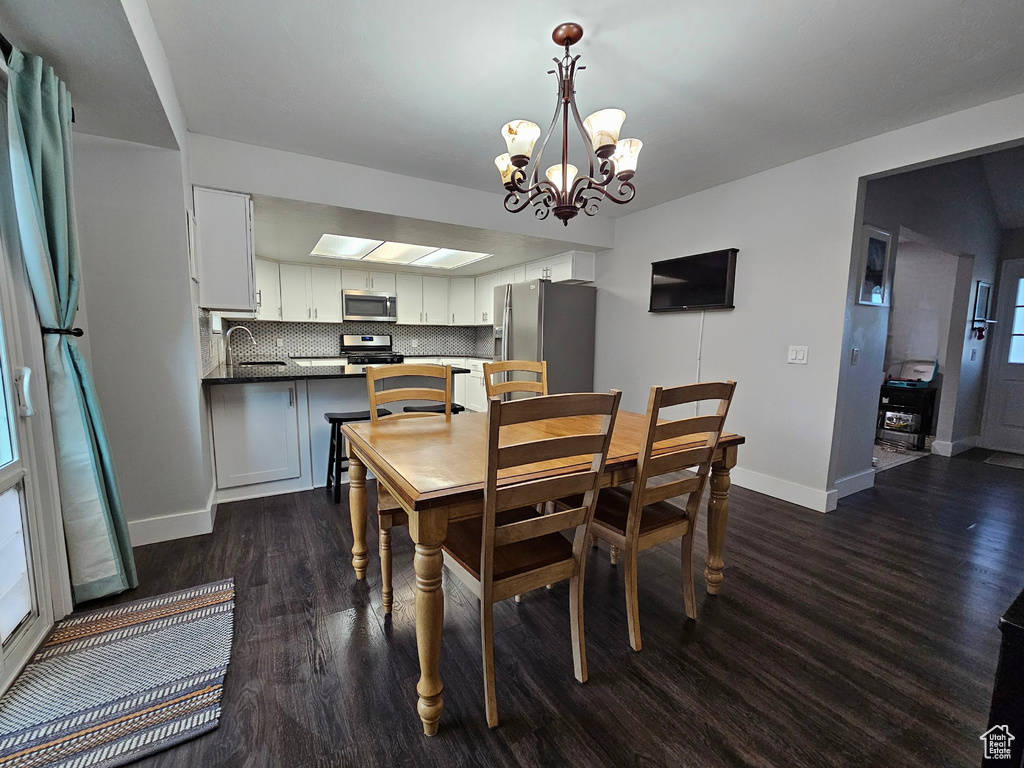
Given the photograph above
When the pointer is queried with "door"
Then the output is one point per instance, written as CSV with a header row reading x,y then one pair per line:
x,y
461,300
355,280
382,282
409,289
26,607
325,292
435,301
295,298
268,290
1003,428
255,432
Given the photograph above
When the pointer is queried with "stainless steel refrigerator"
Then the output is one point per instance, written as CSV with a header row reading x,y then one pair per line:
x,y
541,320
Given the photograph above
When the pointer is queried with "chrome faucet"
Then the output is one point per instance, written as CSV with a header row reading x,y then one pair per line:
x,y
228,357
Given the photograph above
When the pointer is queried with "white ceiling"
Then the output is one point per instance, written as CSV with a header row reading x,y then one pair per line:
x,y
92,48
717,91
287,230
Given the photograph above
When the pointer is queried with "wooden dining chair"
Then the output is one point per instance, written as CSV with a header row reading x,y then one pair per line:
x,y
513,548
389,511
632,521
538,387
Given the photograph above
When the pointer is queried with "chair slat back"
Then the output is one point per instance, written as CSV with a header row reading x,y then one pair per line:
x,y
441,394
538,387
657,459
586,441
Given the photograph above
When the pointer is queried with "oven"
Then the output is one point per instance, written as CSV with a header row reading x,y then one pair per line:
x,y
369,305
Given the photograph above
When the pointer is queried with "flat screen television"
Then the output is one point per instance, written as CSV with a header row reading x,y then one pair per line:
x,y
702,281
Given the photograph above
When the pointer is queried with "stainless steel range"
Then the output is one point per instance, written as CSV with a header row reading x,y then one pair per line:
x,y
369,350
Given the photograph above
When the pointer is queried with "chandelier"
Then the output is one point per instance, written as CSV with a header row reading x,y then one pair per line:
x,y
612,161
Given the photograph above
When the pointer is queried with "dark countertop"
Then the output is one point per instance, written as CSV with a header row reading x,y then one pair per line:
x,y
241,374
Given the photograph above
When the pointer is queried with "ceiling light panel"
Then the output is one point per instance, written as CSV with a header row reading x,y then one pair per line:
x,y
449,258
340,247
399,253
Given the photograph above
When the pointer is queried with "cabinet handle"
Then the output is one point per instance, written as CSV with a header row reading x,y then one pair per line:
x,y
316,313
291,397
309,312
280,312
453,318
259,298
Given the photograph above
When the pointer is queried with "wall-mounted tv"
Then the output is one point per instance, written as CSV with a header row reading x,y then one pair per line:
x,y
702,281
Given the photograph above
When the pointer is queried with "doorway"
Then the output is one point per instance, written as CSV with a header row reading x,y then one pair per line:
x,y
1003,424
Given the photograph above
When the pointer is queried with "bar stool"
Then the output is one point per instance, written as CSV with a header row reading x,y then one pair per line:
x,y
337,453
439,408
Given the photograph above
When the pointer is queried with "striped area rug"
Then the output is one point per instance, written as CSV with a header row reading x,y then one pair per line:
x,y
117,684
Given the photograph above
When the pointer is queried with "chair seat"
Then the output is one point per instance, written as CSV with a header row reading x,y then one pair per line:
x,y
613,509
465,537
344,417
439,408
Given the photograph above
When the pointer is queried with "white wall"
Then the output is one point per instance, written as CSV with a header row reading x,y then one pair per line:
x,y
231,165
794,226
140,313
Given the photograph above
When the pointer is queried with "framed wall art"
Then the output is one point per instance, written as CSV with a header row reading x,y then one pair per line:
x,y
874,267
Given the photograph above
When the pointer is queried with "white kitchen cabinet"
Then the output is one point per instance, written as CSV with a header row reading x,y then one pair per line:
x,y
461,300
409,290
484,305
255,432
295,298
225,251
325,294
461,388
573,266
382,282
476,394
435,301
268,290
355,279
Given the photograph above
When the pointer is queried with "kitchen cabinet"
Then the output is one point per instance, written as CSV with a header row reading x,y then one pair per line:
x,y
409,289
573,266
476,394
483,306
268,290
365,280
435,301
310,293
462,300
225,251
255,432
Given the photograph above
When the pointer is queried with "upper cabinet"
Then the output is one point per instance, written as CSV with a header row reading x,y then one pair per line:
x,y
483,308
435,301
310,293
462,300
574,267
268,290
364,280
410,299
225,250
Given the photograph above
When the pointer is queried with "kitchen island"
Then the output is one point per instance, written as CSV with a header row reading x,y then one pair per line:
x,y
269,432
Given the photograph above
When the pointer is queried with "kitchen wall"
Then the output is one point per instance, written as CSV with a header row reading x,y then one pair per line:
x,y
794,227
322,339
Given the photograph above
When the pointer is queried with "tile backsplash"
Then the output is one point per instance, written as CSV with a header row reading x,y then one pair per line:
x,y
322,339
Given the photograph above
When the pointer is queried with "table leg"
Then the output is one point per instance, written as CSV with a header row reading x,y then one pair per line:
x,y
718,517
428,529
357,513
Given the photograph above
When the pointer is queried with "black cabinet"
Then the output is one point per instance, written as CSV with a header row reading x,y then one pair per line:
x,y
907,410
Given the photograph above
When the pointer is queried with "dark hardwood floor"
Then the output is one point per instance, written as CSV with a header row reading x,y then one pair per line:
x,y
865,637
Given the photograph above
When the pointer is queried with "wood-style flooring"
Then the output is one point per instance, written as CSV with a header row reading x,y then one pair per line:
x,y
865,637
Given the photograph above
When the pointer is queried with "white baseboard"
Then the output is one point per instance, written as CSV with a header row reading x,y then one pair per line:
x,y
180,525
947,448
855,483
801,495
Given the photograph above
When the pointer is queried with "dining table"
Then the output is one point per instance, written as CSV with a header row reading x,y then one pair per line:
x,y
435,468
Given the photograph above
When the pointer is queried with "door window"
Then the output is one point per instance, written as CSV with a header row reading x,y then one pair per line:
x,y
1017,329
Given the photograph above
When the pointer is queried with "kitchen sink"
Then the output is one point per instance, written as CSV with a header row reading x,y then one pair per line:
x,y
263,362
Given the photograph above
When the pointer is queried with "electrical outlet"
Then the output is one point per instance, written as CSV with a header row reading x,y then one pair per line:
x,y
414,343
280,341
797,356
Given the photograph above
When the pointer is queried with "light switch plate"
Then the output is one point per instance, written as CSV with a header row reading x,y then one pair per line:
x,y
280,341
797,356
414,343
854,356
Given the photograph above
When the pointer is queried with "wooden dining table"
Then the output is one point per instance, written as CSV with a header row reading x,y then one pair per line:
x,y
435,467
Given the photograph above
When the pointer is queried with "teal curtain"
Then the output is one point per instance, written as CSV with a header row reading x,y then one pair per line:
x,y
39,138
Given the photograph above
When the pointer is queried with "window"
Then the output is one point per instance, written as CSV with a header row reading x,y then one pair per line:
x,y
1017,330
15,580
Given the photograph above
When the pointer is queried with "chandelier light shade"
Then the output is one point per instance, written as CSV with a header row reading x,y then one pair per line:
x,y
611,162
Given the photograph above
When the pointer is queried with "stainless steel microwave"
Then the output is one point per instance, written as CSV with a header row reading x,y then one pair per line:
x,y
369,306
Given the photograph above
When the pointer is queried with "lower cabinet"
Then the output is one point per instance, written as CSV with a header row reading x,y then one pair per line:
x,y
255,432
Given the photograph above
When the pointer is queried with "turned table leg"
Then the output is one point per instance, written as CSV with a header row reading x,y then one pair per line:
x,y
428,530
357,513
718,517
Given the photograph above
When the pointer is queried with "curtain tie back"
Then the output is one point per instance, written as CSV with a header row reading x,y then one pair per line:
x,y
64,332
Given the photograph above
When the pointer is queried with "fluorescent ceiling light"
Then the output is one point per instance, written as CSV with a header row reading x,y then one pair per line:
x,y
449,258
340,247
399,253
